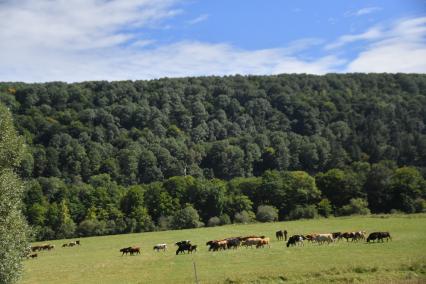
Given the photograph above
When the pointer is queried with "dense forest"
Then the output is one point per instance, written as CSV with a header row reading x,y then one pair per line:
x,y
115,157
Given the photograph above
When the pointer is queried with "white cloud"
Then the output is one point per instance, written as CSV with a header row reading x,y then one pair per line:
x,y
175,60
78,40
362,12
198,19
401,48
366,11
371,34
93,39
76,24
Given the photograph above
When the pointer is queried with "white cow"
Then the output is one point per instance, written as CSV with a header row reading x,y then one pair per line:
x,y
324,238
159,247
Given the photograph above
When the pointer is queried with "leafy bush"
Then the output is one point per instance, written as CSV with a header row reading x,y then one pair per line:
x,y
244,217
324,208
213,222
356,206
91,228
420,205
164,223
306,212
186,218
224,219
266,213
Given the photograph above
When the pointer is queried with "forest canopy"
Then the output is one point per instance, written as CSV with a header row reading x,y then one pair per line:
x,y
128,155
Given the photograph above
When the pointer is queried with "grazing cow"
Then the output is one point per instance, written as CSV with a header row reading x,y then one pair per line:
x,y
217,245
159,247
125,251
324,238
33,255
135,250
251,242
64,245
357,236
337,235
379,236
130,250
279,235
295,239
310,237
77,242
348,235
262,242
183,246
233,243
192,248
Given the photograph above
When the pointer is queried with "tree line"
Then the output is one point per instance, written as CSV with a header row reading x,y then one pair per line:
x,y
91,145
103,207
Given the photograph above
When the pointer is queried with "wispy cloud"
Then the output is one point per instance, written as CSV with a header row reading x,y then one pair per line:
x,y
371,34
198,19
401,48
362,12
366,11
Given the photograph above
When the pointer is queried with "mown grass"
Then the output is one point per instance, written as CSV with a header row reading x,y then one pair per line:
x,y
402,260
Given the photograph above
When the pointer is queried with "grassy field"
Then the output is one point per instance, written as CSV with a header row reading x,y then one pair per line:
x,y
98,260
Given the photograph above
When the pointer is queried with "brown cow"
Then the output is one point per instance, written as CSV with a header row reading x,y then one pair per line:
x,y
262,242
135,250
251,242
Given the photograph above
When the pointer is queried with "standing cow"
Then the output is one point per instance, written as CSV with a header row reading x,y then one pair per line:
x,y
279,235
379,236
159,247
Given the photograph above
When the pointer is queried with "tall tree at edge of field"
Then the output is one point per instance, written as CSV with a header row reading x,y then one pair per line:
x,y
13,227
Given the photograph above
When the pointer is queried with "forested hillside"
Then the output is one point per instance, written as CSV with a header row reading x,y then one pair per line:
x,y
105,157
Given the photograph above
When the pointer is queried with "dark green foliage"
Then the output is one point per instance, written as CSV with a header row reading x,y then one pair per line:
x,y
116,157
186,218
305,212
356,206
213,222
244,217
324,208
266,213
14,232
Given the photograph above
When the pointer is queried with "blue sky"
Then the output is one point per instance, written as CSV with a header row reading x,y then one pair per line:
x,y
77,40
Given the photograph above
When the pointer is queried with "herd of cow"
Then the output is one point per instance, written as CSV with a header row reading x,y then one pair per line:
x,y
248,241
31,253
262,241
332,237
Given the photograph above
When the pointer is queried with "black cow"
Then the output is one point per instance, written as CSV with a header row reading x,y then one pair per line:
x,y
337,235
379,236
295,239
125,251
347,235
279,235
233,243
192,248
185,246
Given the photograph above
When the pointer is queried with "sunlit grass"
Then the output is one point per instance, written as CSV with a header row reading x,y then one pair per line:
x,y
98,260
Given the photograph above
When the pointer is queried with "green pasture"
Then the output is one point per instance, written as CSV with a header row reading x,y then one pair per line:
x,y
97,260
